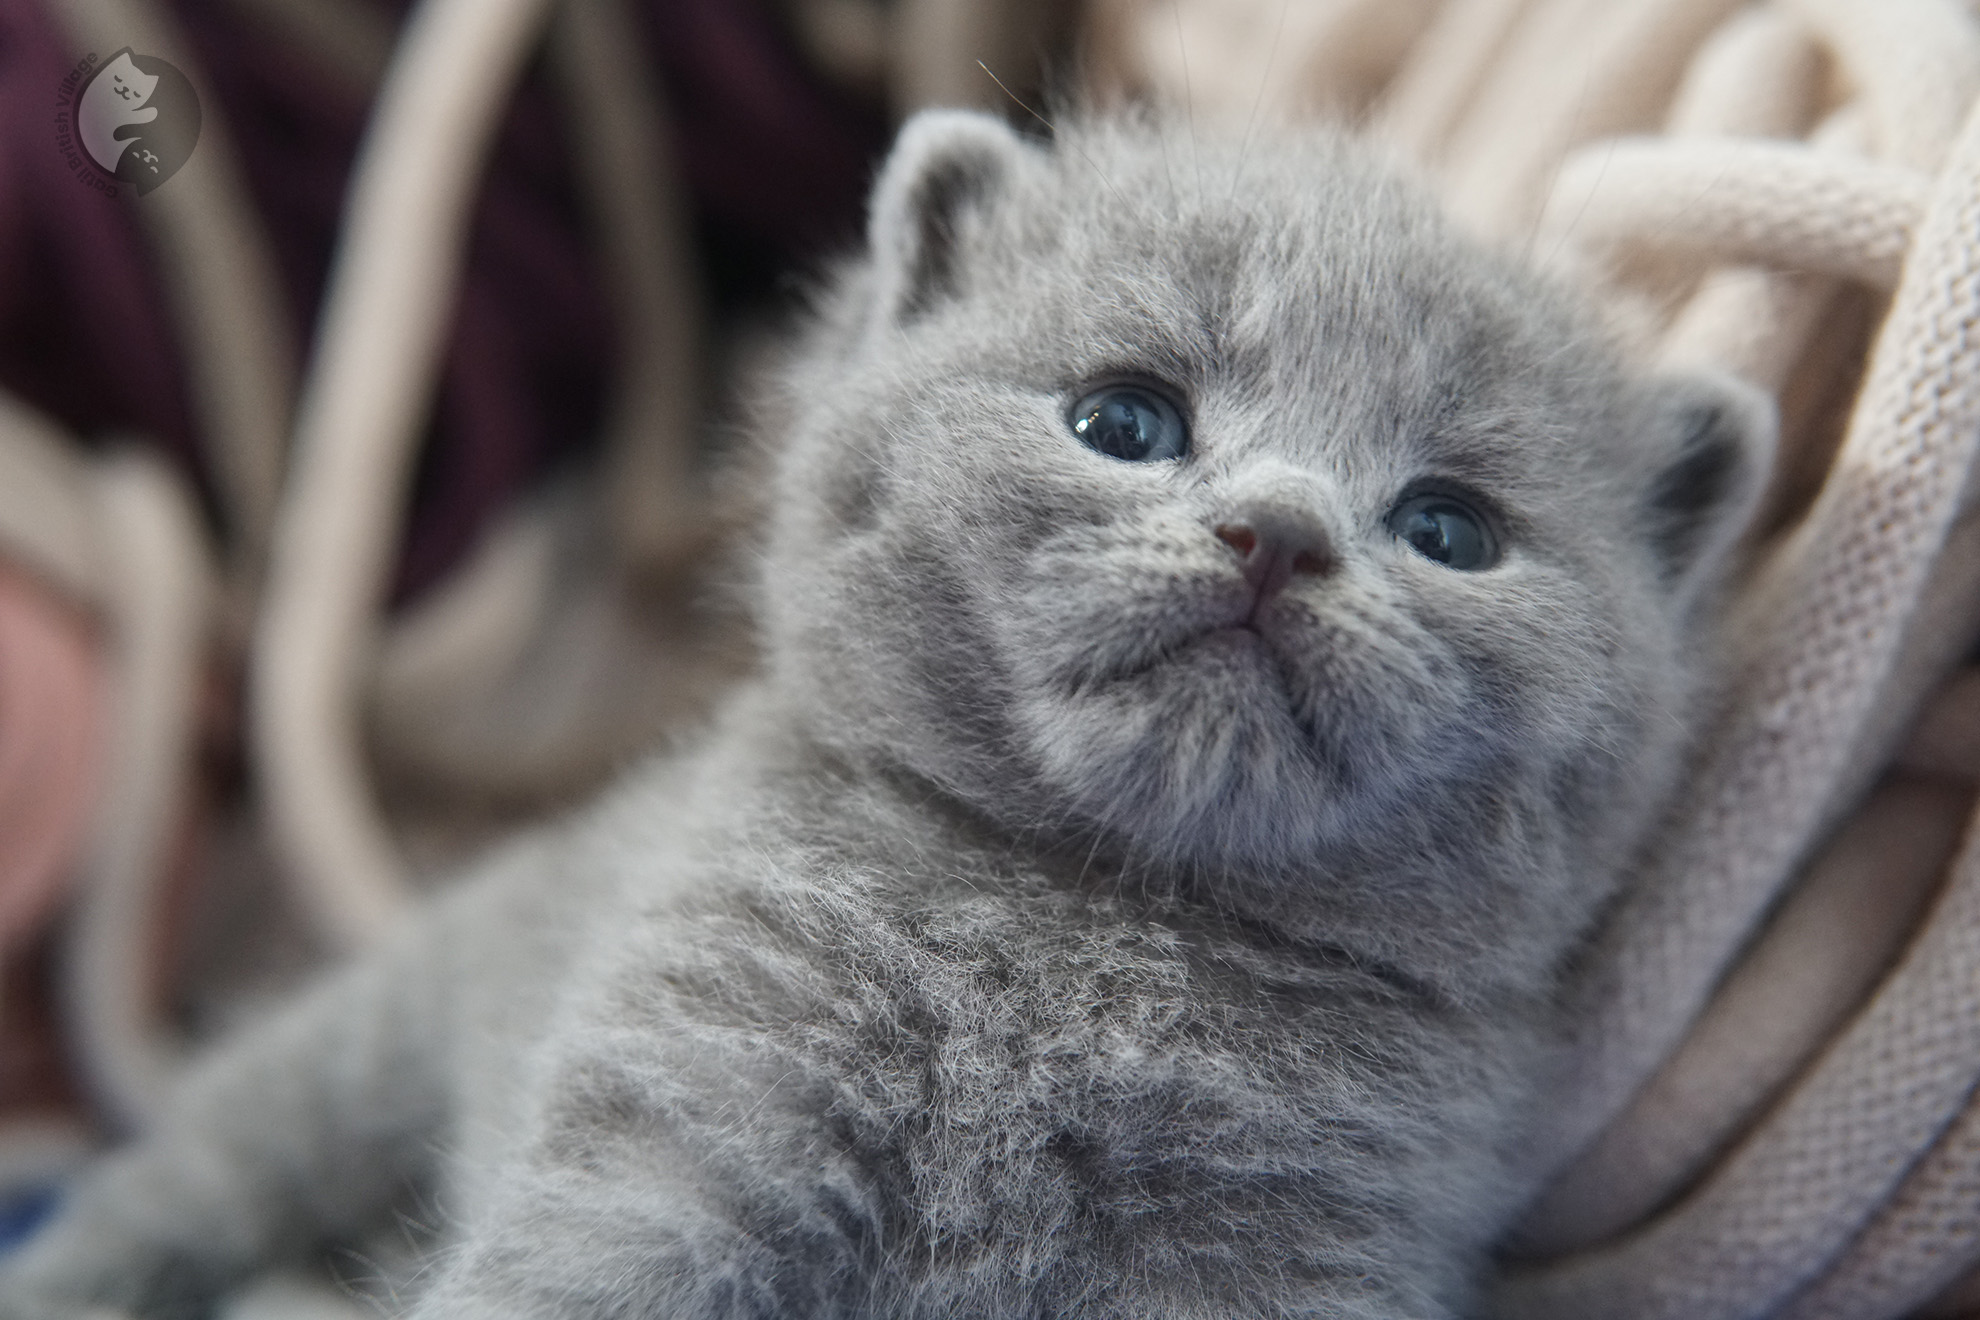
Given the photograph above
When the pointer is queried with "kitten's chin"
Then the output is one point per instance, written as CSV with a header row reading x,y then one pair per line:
x,y
1214,733
1196,759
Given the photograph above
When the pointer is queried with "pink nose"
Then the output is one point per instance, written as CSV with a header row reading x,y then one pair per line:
x,y
1274,550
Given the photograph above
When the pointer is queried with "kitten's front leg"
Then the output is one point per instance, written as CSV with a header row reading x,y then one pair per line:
x,y
679,1170
257,1161
302,1128
294,1131
642,1233
559,1262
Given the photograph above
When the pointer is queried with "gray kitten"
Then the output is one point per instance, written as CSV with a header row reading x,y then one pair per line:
x,y
1224,635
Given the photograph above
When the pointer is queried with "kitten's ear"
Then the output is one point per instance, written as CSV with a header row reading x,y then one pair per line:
x,y
945,165
1717,436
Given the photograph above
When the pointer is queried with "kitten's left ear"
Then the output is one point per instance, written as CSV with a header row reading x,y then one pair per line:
x,y
945,165
1717,434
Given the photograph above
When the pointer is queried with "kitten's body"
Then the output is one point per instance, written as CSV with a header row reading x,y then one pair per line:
x,y
1065,923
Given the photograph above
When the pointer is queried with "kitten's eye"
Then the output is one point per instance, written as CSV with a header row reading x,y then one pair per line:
x,y
1130,423
1446,530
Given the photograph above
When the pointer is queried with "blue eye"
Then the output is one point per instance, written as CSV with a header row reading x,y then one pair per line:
x,y
1446,530
1131,424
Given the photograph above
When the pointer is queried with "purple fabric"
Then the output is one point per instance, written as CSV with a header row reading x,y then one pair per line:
x,y
83,330
770,154
765,147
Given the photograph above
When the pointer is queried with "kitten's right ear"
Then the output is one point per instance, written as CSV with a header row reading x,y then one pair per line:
x,y
945,165
1714,435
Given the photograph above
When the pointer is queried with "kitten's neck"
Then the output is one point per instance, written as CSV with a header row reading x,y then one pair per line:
x,y
1473,926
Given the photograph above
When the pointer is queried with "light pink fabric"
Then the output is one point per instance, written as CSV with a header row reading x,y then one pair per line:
x,y
51,718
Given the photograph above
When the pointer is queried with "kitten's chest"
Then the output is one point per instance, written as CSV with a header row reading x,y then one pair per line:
x,y
1040,1089
1089,1069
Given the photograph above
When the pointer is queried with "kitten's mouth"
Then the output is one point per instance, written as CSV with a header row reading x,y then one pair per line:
x,y
1237,638
1242,639
1218,627
1238,633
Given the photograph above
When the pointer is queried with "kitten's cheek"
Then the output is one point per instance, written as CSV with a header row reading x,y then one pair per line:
x,y
1052,647
851,492
1107,751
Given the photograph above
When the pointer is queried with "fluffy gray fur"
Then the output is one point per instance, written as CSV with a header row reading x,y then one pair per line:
x,y
1058,925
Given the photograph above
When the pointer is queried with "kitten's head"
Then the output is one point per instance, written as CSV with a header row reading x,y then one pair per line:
x,y
1227,506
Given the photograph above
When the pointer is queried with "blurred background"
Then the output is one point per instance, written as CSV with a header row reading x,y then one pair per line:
x,y
374,486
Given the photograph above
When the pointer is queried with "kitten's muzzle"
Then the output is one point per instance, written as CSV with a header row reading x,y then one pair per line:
x,y
1274,547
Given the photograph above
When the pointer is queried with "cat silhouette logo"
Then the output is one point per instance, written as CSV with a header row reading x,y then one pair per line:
x,y
138,119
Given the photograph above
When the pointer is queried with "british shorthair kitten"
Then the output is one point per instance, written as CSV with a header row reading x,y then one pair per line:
x,y
1224,635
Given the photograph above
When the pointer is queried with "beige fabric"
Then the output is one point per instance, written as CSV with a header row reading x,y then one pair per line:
x,y
47,518
532,669
159,593
1272,60
1831,609
1769,1219
1575,72
362,404
223,290
1917,61
1755,321
1422,105
1760,75
1836,936
621,151
1774,1109
120,535
1739,201
1837,592
1918,1244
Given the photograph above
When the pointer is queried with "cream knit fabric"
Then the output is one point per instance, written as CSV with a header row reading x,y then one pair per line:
x,y
1773,1112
